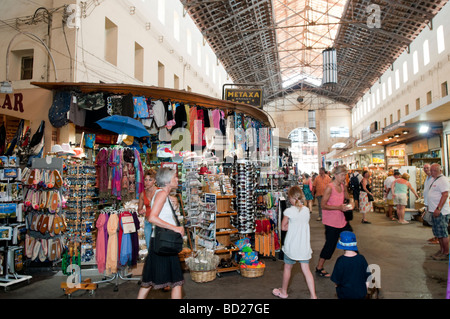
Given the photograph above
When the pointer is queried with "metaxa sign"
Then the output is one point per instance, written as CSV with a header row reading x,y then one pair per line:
x,y
12,102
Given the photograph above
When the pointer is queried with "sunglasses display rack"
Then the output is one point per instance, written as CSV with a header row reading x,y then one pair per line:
x,y
11,198
246,181
81,194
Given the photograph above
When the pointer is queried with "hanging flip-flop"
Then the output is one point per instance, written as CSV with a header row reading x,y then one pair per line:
x,y
28,197
43,200
37,177
35,200
51,180
29,245
36,249
44,224
31,177
56,225
53,206
42,256
52,250
25,174
51,217
44,243
34,222
57,178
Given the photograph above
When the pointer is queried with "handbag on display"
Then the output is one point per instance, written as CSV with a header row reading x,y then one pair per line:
x,y
168,242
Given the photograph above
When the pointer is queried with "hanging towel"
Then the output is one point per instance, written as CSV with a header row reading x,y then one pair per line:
x,y
126,247
101,244
112,253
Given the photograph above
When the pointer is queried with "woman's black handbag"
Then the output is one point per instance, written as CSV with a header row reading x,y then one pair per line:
x,y
168,242
370,197
348,213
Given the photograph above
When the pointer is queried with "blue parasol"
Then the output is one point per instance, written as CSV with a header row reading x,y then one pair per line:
x,y
123,125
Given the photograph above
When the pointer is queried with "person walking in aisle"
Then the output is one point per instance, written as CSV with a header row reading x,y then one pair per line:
x,y
438,204
320,183
307,189
333,216
388,192
144,201
297,245
365,197
354,184
426,188
350,272
162,271
400,194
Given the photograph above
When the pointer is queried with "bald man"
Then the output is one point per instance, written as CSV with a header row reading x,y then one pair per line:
x,y
437,200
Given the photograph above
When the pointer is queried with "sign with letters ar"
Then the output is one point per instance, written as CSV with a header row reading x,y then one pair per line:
x,y
247,96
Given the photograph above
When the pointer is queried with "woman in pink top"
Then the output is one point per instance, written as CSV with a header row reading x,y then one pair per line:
x,y
333,217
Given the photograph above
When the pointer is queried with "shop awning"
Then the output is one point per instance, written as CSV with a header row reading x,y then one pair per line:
x,y
161,93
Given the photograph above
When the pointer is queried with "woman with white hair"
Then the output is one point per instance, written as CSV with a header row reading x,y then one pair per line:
x,y
163,271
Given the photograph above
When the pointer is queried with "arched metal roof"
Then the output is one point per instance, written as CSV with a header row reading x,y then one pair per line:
x,y
278,43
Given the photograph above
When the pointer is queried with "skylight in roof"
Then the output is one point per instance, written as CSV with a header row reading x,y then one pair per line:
x,y
304,29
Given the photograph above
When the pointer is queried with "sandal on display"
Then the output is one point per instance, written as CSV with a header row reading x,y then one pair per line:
x,y
277,292
44,224
28,197
322,273
57,178
35,200
36,250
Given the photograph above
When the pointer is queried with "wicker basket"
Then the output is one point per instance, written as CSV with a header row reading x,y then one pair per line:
x,y
203,276
252,272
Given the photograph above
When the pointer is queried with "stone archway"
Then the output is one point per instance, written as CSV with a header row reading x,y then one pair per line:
x,y
304,149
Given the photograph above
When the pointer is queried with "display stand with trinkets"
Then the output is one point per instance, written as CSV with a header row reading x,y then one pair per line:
x,y
11,223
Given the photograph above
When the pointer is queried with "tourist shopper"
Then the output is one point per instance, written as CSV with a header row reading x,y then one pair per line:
x,y
297,245
426,188
162,271
333,216
307,190
365,197
144,201
388,193
350,272
438,204
400,194
319,185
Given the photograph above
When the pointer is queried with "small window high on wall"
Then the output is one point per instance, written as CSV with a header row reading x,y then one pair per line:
x,y
111,41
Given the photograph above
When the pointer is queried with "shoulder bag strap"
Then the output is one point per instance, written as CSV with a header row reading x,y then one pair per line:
x,y
434,181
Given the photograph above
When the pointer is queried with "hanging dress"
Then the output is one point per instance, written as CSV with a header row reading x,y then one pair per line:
x,y
112,252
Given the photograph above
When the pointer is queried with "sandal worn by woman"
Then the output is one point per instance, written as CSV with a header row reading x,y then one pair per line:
x,y
322,273
277,292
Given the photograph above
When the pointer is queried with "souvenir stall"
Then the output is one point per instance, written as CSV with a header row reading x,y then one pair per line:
x,y
176,123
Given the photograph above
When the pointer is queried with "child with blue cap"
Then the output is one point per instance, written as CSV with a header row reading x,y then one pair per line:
x,y
351,271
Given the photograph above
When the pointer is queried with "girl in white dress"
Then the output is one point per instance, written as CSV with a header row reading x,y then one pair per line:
x,y
297,245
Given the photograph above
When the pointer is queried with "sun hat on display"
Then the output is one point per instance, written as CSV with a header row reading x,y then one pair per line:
x,y
66,149
57,148
347,241
79,152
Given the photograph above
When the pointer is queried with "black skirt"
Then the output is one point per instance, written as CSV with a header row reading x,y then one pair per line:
x,y
161,271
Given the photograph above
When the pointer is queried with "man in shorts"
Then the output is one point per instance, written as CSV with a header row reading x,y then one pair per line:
x,y
438,204
387,189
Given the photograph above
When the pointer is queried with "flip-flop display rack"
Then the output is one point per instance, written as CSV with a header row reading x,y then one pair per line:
x,y
46,227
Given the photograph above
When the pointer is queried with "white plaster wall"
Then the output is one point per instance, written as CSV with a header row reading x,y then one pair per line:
x,y
87,45
428,78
